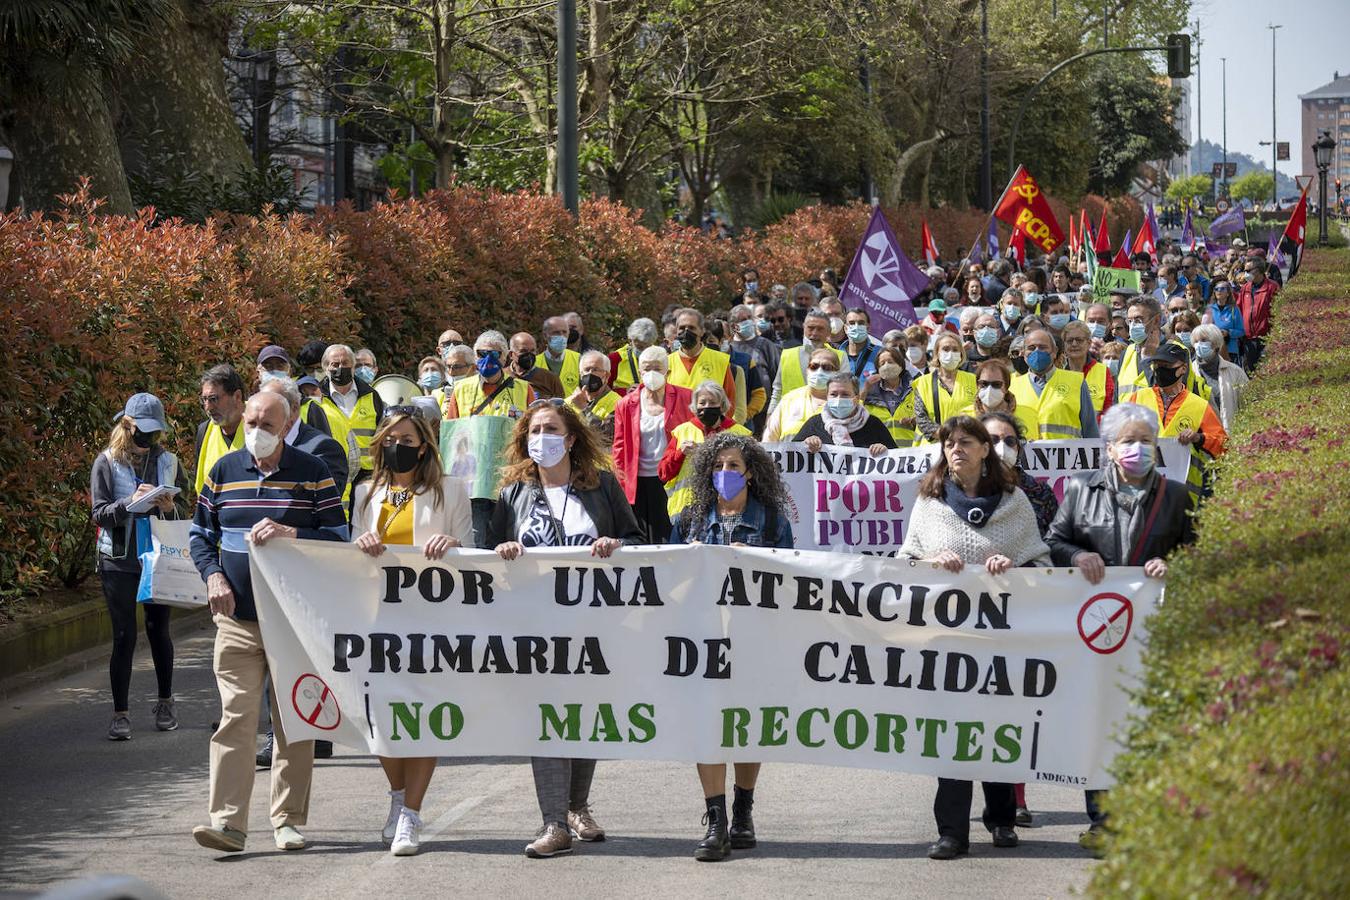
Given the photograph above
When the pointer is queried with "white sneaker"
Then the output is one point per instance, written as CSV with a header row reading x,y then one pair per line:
x,y
289,839
408,838
391,820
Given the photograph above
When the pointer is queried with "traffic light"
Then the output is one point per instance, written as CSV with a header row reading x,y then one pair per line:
x,y
1178,56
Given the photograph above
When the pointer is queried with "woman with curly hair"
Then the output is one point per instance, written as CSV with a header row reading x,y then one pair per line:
x,y
737,499
558,490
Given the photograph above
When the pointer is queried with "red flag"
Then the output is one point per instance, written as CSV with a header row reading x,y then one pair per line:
x,y
1023,206
1144,242
1291,242
1017,248
1073,237
1122,257
930,247
1102,246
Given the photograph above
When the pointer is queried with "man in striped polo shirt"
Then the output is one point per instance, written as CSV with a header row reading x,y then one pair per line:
x,y
266,490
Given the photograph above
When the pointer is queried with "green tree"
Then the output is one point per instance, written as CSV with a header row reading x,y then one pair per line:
x,y
1256,186
1129,122
1186,190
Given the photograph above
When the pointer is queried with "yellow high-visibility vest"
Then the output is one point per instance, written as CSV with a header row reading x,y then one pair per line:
x,y
791,375
628,374
214,446
793,410
1058,409
602,408
710,365
679,488
356,430
959,402
1096,382
1188,416
903,437
569,374
509,401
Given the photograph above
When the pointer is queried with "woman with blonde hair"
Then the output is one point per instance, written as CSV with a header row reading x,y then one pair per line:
x,y
408,501
558,490
131,466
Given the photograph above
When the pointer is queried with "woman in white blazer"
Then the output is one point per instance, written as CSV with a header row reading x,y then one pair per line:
x,y
408,501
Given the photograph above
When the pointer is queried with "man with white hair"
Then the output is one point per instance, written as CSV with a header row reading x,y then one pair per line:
x,y
623,363
593,399
560,360
353,408
493,392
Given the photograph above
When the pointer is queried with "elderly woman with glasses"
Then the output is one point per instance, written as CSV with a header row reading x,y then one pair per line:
x,y
800,404
1125,514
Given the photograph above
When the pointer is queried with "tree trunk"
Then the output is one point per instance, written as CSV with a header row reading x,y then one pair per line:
x,y
894,190
173,107
443,39
60,137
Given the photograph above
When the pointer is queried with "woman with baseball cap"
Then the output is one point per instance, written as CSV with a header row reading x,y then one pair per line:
x,y
131,466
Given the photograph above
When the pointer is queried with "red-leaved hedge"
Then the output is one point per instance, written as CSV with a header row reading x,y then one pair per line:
x,y
94,308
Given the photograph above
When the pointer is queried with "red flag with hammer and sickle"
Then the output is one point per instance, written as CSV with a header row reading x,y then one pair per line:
x,y
1024,207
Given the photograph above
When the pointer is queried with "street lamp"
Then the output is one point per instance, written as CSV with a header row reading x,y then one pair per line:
x,y
1322,149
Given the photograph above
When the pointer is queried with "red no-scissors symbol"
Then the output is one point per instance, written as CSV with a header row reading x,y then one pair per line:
x,y
315,703
1104,622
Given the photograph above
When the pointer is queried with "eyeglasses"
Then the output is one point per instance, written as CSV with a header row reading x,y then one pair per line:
x,y
989,384
816,367
401,410
1008,440
484,354
460,367
555,402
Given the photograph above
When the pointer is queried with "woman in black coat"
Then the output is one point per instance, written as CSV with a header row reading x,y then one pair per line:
x,y
844,420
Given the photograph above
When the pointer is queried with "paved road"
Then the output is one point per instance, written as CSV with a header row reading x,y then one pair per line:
x,y
73,804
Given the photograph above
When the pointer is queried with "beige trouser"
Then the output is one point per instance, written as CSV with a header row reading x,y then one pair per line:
x,y
241,672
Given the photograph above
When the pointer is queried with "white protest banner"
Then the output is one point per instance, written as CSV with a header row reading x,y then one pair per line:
x,y
704,653
849,501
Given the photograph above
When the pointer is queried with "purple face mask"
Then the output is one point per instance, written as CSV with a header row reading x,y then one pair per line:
x,y
729,484
1135,458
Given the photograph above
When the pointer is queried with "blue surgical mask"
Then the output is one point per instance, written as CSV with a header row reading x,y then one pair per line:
x,y
365,373
1185,338
1114,366
818,379
1203,349
728,483
1012,313
1033,299
1038,360
986,337
857,333
1098,330
1138,332
841,407
557,344
1059,320
430,381
745,329
752,287
489,366
765,326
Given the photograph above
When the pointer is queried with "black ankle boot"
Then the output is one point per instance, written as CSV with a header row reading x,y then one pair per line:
x,y
742,832
715,845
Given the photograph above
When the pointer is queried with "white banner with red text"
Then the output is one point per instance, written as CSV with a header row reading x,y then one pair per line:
x,y
848,501
704,654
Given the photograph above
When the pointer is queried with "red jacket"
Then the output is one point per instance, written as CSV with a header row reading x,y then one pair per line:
x,y
1255,307
628,431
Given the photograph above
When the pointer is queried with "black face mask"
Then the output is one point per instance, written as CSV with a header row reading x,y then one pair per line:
x,y
341,377
710,416
1164,377
573,335
401,458
688,339
143,439
1020,365
590,382
525,360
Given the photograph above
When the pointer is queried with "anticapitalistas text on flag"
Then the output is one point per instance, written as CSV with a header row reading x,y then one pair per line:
x,y
1025,207
882,279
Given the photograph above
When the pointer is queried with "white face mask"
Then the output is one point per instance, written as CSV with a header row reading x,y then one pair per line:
x,y
949,359
547,449
889,371
261,444
914,355
1006,453
991,396
653,381
818,379
836,325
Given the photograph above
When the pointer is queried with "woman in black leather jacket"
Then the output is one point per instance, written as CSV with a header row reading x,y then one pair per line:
x,y
558,490
1126,514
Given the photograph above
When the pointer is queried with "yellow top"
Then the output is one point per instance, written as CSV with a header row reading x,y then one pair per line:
x,y
396,523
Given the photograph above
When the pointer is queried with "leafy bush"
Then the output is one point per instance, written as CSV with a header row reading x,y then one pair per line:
x,y
1237,776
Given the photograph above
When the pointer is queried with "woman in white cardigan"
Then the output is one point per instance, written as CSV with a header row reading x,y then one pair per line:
x,y
409,501
971,512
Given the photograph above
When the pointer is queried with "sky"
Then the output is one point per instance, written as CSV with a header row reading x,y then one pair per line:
x,y
1312,45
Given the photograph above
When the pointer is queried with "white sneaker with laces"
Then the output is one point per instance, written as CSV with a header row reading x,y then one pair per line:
x,y
408,837
288,838
391,820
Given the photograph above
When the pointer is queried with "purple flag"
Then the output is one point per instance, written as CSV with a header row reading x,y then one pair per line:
x,y
993,239
1274,252
882,279
1188,231
1233,220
